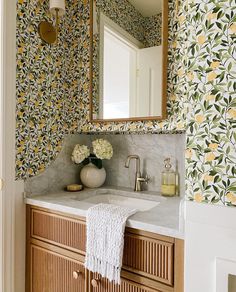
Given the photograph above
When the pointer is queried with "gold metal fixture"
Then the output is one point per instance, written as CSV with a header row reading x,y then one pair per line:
x,y
138,179
47,31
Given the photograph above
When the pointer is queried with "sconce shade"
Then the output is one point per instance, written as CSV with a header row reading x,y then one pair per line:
x,y
57,4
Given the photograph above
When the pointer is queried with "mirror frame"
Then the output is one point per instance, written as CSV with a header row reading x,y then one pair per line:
x,y
165,23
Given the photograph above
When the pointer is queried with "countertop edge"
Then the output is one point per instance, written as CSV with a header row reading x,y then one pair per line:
x,y
162,230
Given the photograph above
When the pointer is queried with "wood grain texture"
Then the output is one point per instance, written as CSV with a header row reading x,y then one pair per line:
x,y
51,272
103,285
179,265
59,230
149,257
151,262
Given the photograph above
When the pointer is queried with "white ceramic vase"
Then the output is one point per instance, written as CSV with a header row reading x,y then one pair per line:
x,y
92,177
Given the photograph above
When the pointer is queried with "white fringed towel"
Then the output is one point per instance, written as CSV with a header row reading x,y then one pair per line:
x,y
105,239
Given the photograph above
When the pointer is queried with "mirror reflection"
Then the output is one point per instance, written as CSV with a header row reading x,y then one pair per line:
x,y
127,61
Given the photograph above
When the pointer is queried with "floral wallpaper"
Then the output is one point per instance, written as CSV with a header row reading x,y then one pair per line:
x,y
53,84
124,14
53,97
152,30
41,86
211,118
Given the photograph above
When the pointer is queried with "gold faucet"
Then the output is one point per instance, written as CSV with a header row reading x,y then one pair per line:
x,y
138,179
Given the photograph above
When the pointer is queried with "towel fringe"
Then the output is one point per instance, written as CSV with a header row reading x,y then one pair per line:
x,y
106,269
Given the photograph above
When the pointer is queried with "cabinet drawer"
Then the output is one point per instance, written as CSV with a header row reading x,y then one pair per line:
x,y
59,230
149,257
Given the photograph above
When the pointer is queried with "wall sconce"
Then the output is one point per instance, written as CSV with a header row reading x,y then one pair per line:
x,y
47,31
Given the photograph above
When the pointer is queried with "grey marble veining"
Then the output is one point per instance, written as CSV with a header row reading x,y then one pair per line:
x,y
151,148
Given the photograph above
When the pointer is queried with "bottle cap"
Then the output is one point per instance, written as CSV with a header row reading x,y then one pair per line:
x,y
167,163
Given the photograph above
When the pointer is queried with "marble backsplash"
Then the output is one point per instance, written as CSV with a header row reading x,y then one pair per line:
x,y
151,148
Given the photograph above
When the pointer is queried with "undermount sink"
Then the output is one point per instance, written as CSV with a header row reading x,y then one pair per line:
x,y
124,198
138,204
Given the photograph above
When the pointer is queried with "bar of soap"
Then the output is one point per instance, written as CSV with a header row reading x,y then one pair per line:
x,y
74,188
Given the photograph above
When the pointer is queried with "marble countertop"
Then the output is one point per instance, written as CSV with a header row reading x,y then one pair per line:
x,y
167,218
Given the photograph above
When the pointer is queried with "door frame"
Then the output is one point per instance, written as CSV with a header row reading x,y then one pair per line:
x,y
8,195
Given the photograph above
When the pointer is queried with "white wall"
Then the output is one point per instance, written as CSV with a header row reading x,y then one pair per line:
x,y
210,234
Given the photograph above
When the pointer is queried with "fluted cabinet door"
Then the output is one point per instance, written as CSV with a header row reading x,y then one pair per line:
x,y
52,272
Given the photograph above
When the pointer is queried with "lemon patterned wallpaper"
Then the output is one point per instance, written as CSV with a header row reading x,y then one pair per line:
x,y
52,91
211,118
53,84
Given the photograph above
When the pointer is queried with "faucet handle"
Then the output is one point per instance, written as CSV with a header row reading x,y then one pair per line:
x,y
145,179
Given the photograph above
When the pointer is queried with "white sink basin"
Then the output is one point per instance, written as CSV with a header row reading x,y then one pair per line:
x,y
138,204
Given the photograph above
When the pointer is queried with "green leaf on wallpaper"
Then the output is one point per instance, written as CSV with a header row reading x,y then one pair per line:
x,y
224,183
233,171
228,150
234,86
217,107
215,200
230,66
215,189
217,179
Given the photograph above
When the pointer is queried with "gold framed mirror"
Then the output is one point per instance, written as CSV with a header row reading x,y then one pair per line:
x,y
128,60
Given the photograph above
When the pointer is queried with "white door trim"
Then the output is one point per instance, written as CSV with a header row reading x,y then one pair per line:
x,y
7,154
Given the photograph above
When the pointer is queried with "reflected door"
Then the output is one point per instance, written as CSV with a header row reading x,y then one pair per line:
x,y
149,81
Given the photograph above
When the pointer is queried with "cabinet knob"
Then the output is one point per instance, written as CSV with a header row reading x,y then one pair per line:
x,y
95,282
76,274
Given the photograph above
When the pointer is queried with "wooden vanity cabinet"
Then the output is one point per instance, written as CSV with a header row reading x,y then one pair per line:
x,y
55,255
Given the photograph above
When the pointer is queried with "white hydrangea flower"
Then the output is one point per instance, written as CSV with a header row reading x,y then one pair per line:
x,y
80,153
102,149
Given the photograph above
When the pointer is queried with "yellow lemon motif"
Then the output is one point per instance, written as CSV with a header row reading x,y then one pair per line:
x,y
190,76
209,178
199,119
201,39
232,113
180,126
198,197
182,19
213,146
149,124
174,45
211,76
161,124
188,153
211,16
41,168
210,157
233,28
215,65
173,97
180,72
231,197
210,97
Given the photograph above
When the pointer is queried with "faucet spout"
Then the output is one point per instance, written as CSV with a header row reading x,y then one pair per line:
x,y
137,158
